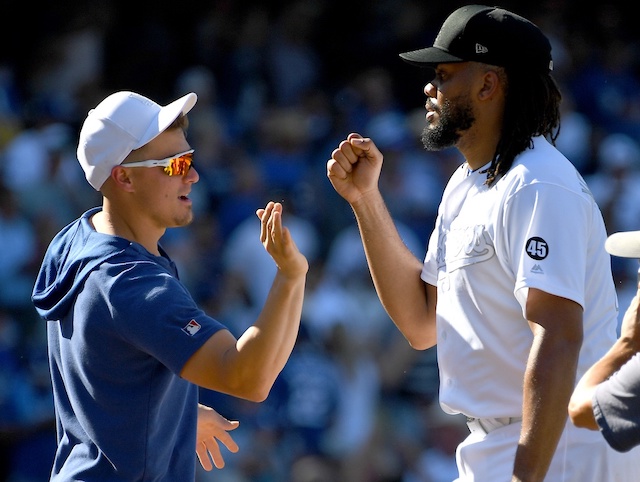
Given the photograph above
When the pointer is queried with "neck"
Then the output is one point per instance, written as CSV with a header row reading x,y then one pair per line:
x,y
119,222
475,155
479,146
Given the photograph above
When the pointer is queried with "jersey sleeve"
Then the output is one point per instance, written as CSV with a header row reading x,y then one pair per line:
x,y
154,311
429,272
616,407
547,229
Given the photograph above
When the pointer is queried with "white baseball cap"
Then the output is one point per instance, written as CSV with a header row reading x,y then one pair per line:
x,y
625,244
121,123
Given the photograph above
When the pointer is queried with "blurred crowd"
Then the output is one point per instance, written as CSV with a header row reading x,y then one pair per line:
x,y
279,86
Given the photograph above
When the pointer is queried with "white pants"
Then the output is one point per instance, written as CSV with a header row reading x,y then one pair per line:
x,y
582,456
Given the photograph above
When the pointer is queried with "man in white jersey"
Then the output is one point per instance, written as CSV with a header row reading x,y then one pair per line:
x,y
516,287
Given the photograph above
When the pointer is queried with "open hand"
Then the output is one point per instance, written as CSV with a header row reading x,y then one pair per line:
x,y
278,242
213,427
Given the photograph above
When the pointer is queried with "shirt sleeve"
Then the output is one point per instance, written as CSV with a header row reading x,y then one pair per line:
x,y
154,311
430,266
616,407
547,237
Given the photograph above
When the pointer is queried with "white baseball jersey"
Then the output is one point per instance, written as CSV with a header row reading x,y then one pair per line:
x,y
536,227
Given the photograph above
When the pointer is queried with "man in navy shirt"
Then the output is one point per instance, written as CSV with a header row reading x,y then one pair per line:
x,y
607,396
128,346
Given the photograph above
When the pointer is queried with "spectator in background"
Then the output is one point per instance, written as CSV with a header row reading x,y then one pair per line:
x,y
614,186
437,461
293,64
18,255
244,258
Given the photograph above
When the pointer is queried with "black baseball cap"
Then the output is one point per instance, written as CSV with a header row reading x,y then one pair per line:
x,y
490,35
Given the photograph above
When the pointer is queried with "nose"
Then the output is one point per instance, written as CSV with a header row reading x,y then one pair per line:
x,y
430,90
192,176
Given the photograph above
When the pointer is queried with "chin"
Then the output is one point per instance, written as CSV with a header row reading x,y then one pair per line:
x,y
181,221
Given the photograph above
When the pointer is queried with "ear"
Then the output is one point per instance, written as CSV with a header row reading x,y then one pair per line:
x,y
490,85
122,179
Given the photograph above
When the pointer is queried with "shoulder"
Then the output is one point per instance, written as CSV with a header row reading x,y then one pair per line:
x,y
132,274
544,165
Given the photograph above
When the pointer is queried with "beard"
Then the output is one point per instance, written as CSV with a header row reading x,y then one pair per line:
x,y
454,117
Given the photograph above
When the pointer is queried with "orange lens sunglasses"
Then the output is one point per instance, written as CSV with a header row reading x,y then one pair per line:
x,y
177,165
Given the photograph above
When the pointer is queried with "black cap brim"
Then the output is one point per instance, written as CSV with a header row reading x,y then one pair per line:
x,y
429,57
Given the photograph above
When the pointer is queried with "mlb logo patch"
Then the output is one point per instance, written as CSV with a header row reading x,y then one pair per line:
x,y
192,328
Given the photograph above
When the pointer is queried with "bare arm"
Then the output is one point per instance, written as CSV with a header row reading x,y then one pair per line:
x,y
580,406
354,170
395,271
248,367
549,379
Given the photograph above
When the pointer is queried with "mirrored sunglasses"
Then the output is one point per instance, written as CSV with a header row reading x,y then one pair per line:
x,y
177,165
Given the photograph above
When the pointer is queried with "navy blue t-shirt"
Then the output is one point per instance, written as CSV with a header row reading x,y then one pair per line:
x,y
120,328
616,405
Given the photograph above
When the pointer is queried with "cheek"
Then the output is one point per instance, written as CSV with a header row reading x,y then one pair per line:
x,y
156,187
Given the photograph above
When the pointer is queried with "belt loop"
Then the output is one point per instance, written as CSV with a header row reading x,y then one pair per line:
x,y
475,425
486,425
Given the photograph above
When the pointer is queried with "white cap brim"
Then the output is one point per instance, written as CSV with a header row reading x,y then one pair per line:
x,y
625,244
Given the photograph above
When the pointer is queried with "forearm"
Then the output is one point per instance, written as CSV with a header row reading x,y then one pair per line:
x,y
548,384
580,405
264,348
619,354
395,272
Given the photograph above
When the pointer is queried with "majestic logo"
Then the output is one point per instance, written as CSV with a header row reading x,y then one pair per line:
x,y
465,247
481,49
537,248
192,328
537,269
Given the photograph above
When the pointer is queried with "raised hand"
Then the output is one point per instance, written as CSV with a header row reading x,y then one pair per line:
x,y
354,167
278,242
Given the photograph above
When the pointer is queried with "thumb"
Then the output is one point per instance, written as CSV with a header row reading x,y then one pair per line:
x,y
366,147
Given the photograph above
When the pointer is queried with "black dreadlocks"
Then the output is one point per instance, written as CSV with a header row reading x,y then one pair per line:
x,y
532,108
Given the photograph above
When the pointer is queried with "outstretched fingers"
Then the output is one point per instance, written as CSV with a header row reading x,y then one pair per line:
x,y
213,428
277,240
264,214
209,449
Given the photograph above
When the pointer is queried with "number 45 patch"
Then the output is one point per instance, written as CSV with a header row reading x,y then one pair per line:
x,y
537,248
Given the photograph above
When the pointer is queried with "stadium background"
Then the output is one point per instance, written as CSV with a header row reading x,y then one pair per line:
x,y
279,86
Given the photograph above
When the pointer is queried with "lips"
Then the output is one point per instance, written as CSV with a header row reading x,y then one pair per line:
x,y
431,110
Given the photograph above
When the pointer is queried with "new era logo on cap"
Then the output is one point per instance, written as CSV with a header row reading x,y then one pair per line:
x,y
481,49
